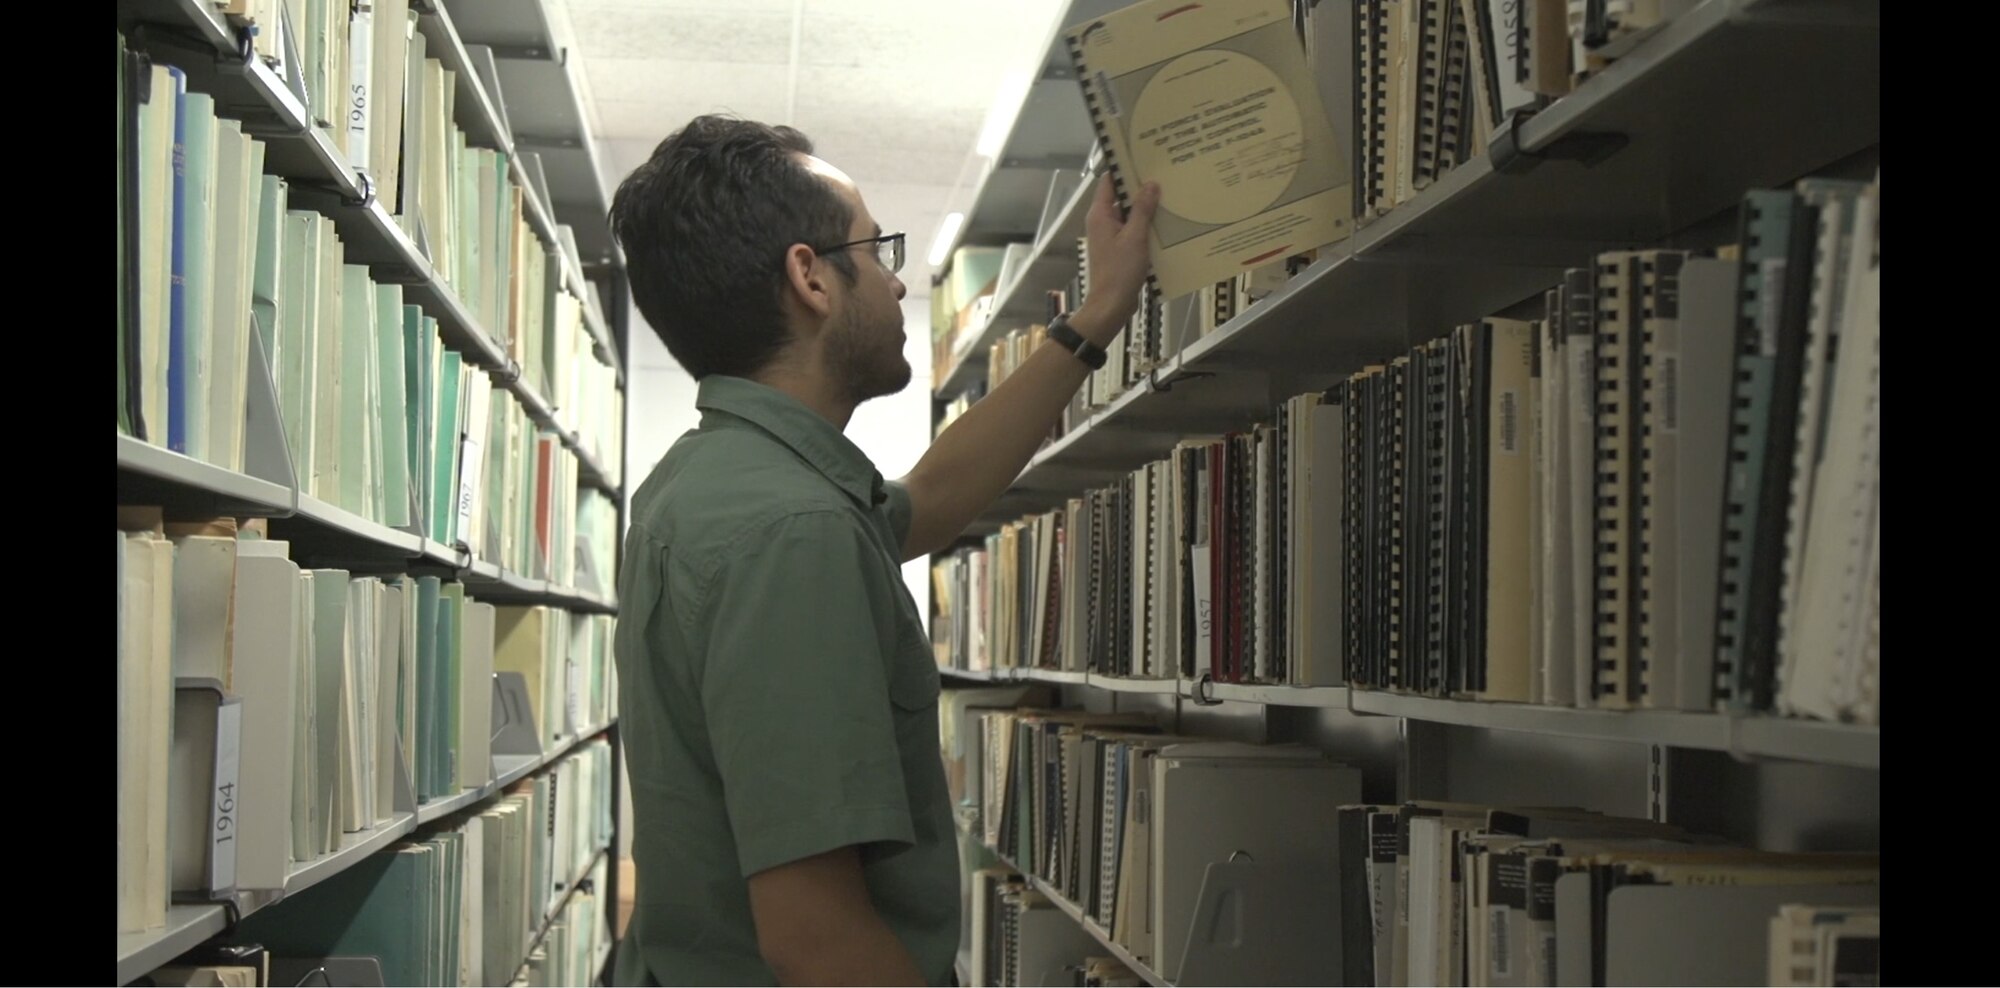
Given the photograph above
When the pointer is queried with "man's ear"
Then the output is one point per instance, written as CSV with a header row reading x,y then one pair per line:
x,y
808,281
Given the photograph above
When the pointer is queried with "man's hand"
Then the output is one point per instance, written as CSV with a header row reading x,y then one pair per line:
x,y
817,926
1120,259
975,459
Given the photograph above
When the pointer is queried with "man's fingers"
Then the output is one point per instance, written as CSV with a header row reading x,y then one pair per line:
x,y
1141,219
1105,203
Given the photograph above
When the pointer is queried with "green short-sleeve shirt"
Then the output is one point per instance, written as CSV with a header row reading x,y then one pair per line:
x,y
777,694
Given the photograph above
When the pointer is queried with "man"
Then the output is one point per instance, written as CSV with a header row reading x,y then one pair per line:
x,y
777,693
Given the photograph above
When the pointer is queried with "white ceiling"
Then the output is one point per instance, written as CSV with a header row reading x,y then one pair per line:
x,y
893,92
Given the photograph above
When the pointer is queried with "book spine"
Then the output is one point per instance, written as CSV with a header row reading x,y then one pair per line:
x,y
1616,479
1763,420
177,397
1402,670
1095,94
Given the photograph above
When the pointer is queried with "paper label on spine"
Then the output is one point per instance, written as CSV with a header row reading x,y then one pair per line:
x,y
227,796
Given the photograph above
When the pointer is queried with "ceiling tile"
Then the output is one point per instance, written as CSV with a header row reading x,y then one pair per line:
x,y
891,91
941,32
616,159
930,130
579,6
864,154
888,196
652,121
872,91
763,37
732,84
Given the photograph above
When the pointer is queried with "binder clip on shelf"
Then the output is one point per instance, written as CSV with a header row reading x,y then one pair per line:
x,y
1204,691
1584,147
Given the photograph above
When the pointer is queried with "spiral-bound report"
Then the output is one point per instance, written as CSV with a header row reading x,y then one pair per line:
x,y
1214,102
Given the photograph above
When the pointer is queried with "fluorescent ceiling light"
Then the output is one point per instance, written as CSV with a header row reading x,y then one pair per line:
x,y
1000,119
945,235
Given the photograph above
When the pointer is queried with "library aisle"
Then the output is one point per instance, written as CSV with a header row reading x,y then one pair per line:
x,y
1434,543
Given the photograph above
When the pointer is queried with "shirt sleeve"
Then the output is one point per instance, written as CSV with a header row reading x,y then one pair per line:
x,y
795,690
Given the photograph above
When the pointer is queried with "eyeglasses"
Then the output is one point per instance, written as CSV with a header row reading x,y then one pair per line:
x,y
888,250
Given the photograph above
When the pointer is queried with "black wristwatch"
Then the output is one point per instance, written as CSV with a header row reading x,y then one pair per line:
x,y
1090,353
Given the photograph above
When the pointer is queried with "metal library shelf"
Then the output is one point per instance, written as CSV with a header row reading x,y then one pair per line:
x,y
195,37
353,847
188,926
462,332
1131,684
541,220
594,322
538,409
504,586
322,530
545,111
439,554
580,599
482,124
976,675
155,475
494,585
1324,697
1049,263
589,470
1115,684
372,236
151,475
1098,933
438,809
485,127
1655,150
1825,743
1049,478
195,22
555,910
1746,735
243,86
1792,739
1050,131
1673,728
1017,675
1142,424
1767,89
323,179
539,217
1054,676
1089,924
516,769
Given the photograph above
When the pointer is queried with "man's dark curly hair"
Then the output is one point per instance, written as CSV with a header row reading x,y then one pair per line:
x,y
705,224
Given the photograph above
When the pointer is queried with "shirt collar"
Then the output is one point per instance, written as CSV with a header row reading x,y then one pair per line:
x,y
789,421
